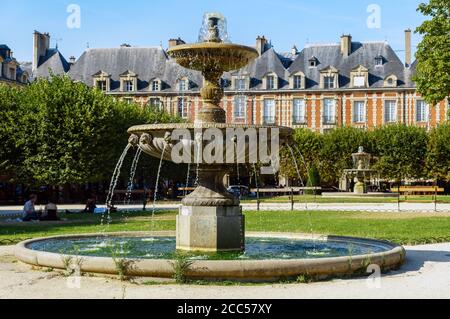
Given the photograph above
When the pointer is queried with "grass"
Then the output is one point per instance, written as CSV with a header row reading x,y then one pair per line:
x,y
401,228
328,200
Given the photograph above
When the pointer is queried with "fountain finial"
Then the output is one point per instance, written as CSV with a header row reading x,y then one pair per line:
x,y
213,30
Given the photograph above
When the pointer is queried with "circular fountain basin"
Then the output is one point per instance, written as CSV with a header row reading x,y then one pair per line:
x,y
208,56
268,256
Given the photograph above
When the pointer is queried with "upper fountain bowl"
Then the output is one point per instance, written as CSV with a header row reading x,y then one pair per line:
x,y
207,56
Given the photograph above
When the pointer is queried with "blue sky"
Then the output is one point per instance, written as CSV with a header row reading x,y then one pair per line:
x,y
153,22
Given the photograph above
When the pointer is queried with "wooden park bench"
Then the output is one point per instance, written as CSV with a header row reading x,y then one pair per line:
x,y
419,190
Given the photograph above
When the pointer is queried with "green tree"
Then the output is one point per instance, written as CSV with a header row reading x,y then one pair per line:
x,y
306,147
336,152
438,155
62,132
433,54
401,151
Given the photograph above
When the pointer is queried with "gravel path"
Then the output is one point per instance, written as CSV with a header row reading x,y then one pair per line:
x,y
426,275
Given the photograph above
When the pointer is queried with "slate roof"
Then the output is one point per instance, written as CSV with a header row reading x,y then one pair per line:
x,y
147,63
54,61
153,63
362,54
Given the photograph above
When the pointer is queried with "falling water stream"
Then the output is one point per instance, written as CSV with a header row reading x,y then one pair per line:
x,y
155,195
188,177
113,184
303,185
133,169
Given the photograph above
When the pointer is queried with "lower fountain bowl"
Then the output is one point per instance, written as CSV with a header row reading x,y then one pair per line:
x,y
268,256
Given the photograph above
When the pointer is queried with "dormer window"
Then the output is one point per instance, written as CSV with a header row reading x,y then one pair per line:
x,y
102,81
183,85
313,62
156,85
12,73
270,81
128,81
297,81
328,82
379,61
390,81
240,84
101,85
359,77
329,78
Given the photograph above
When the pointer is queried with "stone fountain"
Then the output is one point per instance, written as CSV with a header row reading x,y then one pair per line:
x,y
361,170
210,218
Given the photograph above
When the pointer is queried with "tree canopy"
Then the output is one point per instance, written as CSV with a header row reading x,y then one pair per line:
x,y
59,132
433,54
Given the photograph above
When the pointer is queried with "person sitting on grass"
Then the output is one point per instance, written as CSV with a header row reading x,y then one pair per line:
x,y
29,211
90,206
51,212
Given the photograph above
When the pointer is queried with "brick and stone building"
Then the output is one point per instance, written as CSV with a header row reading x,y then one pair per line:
x,y
321,87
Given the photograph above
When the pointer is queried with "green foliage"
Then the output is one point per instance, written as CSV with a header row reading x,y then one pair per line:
x,y
398,151
438,155
59,132
336,152
433,54
181,267
401,151
313,180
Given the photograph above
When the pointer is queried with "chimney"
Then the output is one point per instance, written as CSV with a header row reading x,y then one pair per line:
x,y
72,60
175,42
125,45
40,46
294,50
408,48
261,45
346,45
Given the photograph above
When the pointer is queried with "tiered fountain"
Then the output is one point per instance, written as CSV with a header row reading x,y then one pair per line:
x,y
210,221
361,171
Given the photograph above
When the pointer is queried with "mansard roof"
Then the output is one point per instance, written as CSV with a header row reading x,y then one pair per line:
x,y
153,62
149,63
362,54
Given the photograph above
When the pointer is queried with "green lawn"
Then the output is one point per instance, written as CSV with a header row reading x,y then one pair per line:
x,y
328,200
400,228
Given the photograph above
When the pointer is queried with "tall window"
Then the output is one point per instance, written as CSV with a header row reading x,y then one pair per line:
x,y
329,111
155,103
269,111
240,106
297,82
155,85
182,107
182,85
101,85
270,82
421,111
359,112
12,73
390,111
328,82
240,84
299,111
128,86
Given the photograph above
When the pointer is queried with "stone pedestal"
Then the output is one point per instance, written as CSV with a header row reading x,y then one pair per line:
x,y
360,188
211,229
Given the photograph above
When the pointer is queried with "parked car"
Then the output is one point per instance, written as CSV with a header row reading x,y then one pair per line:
x,y
239,191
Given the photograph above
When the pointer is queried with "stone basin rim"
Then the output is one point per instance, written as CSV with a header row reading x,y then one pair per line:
x,y
191,126
241,270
